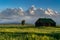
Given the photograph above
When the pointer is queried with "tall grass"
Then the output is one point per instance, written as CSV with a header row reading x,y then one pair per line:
x,y
28,36
28,32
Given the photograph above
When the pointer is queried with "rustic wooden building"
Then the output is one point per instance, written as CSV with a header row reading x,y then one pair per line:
x,y
45,22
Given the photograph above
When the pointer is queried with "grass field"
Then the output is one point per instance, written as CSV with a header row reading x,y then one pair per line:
x,y
28,32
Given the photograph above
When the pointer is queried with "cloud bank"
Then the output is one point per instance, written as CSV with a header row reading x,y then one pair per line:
x,y
15,15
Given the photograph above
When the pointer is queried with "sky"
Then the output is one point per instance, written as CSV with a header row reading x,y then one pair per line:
x,y
25,4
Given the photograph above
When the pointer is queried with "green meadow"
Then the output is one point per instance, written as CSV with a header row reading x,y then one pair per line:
x,y
29,32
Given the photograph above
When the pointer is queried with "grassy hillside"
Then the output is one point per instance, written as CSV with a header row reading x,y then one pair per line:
x,y
28,32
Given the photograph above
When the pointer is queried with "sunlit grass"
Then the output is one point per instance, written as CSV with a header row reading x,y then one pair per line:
x,y
28,32
27,36
28,28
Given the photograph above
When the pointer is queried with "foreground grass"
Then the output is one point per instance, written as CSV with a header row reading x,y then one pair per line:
x,y
28,36
28,32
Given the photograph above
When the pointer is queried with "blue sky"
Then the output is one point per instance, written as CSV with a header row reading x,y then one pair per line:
x,y
25,4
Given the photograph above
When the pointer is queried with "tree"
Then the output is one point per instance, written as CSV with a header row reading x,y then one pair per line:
x,y
22,22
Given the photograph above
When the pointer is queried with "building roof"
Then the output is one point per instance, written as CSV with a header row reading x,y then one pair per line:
x,y
45,20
